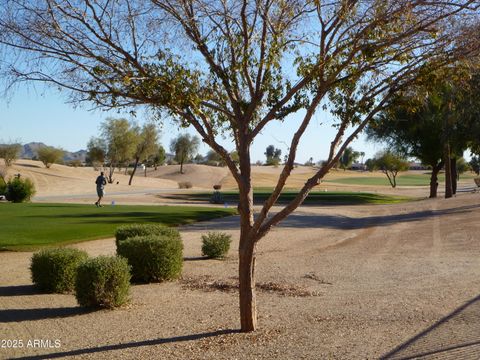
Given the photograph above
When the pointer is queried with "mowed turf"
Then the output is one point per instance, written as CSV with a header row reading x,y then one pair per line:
x,y
28,226
402,180
260,195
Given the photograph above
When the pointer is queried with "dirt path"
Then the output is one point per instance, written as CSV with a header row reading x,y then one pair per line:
x,y
356,282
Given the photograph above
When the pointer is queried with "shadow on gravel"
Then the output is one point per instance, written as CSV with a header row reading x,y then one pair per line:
x,y
18,290
299,220
103,349
17,315
456,336
195,258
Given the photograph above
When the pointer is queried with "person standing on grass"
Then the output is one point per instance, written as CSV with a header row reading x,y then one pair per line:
x,y
101,182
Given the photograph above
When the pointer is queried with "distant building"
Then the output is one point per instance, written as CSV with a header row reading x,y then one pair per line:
x,y
413,165
358,166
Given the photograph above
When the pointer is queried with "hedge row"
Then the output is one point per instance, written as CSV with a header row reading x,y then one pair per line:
x,y
99,282
146,253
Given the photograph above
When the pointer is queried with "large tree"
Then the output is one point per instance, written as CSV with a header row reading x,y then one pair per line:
x,y
96,152
414,132
50,155
10,152
159,157
121,140
147,145
390,164
273,155
231,68
185,148
434,121
475,164
348,157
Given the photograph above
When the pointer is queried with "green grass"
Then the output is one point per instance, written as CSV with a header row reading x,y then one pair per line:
x,y
29,226
402,180
314,198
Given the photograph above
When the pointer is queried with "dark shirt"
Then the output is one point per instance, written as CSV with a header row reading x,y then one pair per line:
x,y
101,182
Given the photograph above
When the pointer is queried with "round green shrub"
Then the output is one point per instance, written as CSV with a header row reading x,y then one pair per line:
x,y
129,231
19,190
153,258
216,244
55,270
103,281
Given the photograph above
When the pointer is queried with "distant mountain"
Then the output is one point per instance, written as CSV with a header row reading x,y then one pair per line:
x,y
30,151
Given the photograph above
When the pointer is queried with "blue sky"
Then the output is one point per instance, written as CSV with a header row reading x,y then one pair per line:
x,y
44,116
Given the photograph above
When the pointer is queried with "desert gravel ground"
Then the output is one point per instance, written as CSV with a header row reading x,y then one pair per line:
x,y
357,282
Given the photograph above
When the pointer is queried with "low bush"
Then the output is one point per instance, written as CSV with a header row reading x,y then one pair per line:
x,y
216,244
19,190
54,270
153,258
103,281
185,185
217,198
129,231
75,163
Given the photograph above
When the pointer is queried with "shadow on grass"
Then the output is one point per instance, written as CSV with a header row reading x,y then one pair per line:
x,y
172,218
18,290
18,315
313,198
132,345
456,336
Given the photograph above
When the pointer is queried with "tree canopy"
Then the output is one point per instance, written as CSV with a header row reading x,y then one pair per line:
x,y
49,155
348,157
421,121
390,164
9,153
96,151
146,145
185,148
231,68
273,155
121,141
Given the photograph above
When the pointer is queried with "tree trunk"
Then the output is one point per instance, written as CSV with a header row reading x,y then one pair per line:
x,y
454,175
434,179
110,173
246,264
394,177
389,178
247,246
133,171
246,271
448,172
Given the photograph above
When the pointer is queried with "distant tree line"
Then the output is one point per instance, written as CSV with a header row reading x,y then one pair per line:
x,y
435,121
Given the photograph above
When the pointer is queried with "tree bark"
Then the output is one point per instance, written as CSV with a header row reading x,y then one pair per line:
x,y
246,270
133,171
247,246
434,179
448,172
110,173
454,175
181,167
